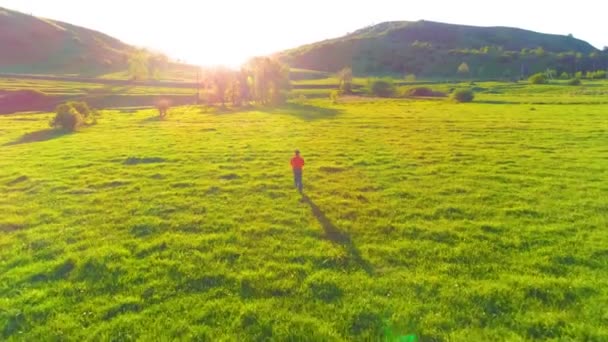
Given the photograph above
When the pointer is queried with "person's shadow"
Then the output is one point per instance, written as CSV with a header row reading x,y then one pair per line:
x,y
334,234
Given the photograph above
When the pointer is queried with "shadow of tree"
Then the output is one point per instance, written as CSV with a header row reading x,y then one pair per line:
x,y
302,111
38,136
155,118
305,112
337,236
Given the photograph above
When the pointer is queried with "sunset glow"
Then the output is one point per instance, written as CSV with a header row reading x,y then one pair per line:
x,y
229,32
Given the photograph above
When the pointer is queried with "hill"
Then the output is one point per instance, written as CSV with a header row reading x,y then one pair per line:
x,y
437,49
37,45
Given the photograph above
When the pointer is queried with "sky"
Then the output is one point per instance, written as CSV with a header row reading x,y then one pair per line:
x,y
228,32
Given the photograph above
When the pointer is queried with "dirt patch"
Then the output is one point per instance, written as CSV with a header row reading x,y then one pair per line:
x,y
332,169
183,185
18,180
113,184
230,176
11,227
148,160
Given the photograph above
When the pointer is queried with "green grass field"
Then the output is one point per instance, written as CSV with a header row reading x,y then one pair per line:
x,y
458,222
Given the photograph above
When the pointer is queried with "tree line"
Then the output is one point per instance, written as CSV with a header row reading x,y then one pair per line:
x,y
263,80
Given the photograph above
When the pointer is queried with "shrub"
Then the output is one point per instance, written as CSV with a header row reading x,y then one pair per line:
x,y
81,107
67,117
539,78
463,95
574,82
382,87
600,74
564,76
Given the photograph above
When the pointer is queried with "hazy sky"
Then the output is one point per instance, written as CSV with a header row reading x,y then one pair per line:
x,y
230,31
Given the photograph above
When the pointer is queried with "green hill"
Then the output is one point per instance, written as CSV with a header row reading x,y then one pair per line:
x,y
432,49
37,45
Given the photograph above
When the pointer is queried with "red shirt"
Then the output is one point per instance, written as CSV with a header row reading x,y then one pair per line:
x,y
297,162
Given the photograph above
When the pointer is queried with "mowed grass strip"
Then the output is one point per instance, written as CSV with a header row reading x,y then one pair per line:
x,y
450,222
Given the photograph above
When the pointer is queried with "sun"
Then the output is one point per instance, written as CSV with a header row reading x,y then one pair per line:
x,y
230,58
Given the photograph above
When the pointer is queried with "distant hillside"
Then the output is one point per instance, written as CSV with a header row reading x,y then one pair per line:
x,y
435,49
35,45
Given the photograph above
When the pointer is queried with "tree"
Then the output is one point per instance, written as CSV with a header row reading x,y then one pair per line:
x,y
345,78
244,85
463,68
382,87
269,80
157,64
221,78
539,51
138,65
600,74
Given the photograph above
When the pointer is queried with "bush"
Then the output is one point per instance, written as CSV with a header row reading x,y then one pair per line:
x,y
463,95
539,78
82,108
574,82
564,76
424,92
382,88
600,74
67,118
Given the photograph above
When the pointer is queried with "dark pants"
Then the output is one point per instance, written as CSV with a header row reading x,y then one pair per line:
x,y
297,178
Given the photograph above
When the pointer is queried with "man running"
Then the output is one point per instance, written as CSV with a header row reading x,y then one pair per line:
x,y
297,163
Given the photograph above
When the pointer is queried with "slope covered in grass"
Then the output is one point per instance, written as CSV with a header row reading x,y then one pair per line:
x,y
463,222
37,45
432,49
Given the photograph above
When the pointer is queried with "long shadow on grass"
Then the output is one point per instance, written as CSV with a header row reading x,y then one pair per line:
x,y
337,236
302,111
38,136
305,111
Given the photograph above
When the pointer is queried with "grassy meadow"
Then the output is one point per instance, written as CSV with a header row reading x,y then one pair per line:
x,y
448,222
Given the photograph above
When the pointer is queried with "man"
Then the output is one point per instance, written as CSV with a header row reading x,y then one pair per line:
x,y
297,163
